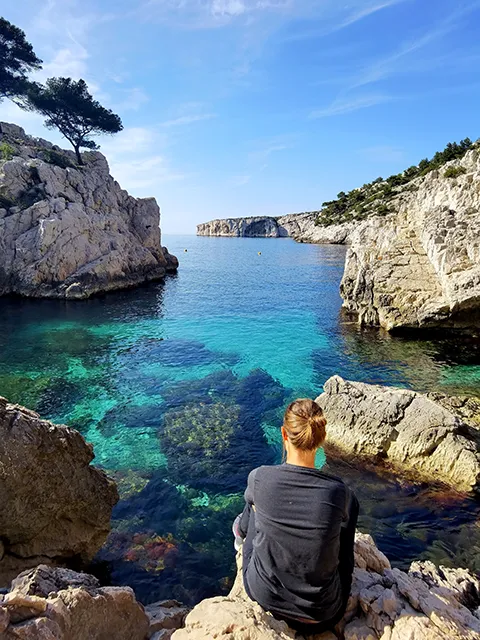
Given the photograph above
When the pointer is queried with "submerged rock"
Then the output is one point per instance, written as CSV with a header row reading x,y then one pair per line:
x,y
404,429
55,507
420,266
385,604
68,231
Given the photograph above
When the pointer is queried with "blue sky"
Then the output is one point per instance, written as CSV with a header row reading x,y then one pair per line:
x,y
249,107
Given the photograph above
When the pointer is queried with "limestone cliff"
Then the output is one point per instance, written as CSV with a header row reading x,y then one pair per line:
x,y
68,231
419,267
300,226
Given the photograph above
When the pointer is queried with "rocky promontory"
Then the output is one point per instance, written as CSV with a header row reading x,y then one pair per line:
x,y
422,437
69,231
301,227
55,507
419,266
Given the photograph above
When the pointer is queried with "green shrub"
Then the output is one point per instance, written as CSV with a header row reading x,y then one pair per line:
x,y
6,151
59,159
454,172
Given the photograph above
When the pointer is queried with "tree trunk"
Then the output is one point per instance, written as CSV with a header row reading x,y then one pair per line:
x,y
78,154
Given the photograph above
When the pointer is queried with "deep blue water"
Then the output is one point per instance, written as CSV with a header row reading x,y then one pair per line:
x,y
181,387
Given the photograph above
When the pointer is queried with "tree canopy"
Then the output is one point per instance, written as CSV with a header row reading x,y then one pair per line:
x,y
17,59
69,107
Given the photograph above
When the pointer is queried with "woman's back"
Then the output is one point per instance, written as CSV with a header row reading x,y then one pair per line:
x,y
299,515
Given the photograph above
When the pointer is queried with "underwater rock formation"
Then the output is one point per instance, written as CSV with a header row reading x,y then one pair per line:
x,y
55,507
419,266
404,429
300,226
385,604
68,231
211,429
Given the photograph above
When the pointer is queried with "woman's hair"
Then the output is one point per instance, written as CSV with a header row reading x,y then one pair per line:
x,y
305,423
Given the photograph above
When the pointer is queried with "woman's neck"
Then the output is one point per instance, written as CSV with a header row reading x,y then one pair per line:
x,y
301,458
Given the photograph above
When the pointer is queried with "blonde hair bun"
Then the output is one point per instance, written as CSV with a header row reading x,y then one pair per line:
x,y
305,424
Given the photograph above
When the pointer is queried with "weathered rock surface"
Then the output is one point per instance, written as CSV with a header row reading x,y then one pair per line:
x,y
55,507
59,604
300,226
385,604
407,430
420,266
69,231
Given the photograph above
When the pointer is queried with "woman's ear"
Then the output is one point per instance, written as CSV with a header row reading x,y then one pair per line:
x,y
284,434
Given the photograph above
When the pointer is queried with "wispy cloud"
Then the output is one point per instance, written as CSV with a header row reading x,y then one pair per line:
x,y
364,12
239,181
183,120
342,106
383,154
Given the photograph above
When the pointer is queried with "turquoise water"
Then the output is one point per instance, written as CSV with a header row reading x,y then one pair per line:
x,y
181,387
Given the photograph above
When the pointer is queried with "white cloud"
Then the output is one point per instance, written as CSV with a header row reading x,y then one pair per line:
x,y
183,120
133,100
342,106
135,161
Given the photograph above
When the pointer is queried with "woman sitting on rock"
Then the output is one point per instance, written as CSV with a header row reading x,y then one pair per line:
x,y
298,529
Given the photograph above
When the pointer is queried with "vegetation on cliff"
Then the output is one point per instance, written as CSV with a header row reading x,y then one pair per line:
x,y
374,197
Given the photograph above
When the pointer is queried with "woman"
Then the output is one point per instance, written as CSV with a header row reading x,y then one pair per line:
x,y
298,529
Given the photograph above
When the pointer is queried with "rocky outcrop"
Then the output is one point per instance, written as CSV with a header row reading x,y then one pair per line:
x,y
55,507
255,227
59,604
68,231
299,226
385,604
420,266
405,430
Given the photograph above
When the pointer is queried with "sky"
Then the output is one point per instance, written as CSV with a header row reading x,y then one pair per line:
x,y
260,107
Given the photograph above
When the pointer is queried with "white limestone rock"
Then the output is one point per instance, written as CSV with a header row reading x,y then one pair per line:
x,y
69,231
405,429
420,266
425,604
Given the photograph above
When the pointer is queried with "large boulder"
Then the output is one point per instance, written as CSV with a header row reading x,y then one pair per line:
x,y
55,507
409,431
420,266
58,604
68,231
385,604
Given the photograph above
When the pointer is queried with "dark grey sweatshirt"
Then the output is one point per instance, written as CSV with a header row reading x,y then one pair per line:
x,y
299,517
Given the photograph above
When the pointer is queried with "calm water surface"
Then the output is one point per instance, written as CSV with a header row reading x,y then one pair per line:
x,y
181,388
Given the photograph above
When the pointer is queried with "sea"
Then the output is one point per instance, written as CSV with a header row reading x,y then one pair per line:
x,y
181,386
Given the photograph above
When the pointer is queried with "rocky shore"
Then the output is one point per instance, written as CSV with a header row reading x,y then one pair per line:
x,y
48,523
68,231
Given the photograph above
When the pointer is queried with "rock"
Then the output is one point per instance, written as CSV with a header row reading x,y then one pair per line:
x,y
407,430
385,604
55,506
419,267
69,231
76,608
300,226
166,615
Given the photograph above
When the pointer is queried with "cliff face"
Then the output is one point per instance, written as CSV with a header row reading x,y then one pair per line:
x,y
69,231
420,266
300,226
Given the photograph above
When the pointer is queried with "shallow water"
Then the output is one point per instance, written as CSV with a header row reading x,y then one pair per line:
x,y
181,387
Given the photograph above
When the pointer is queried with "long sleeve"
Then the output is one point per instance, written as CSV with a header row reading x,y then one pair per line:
x,y
249,501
